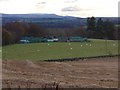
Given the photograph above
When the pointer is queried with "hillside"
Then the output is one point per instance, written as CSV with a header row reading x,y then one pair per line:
x,y
51,20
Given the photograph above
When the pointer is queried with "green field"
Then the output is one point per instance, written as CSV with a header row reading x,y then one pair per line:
x,y
0,52
58,50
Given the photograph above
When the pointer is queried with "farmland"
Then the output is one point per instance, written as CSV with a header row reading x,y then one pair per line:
x,y
90,73
22,64
59,50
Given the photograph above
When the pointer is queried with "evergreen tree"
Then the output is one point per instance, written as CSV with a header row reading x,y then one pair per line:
x,y
91,27
91,22
109,29
100,28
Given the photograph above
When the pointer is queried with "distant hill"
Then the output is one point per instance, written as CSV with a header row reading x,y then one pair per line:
x,y
51,20
31,15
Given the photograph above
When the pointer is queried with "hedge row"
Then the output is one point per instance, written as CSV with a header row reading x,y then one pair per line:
x,y
80,58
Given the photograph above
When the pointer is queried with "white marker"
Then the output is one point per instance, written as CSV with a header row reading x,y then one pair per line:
x,y
90,45
113,44
48,44
81,45
69,43
71,48
38,50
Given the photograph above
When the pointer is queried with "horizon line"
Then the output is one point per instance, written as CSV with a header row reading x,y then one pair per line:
x,y
58,15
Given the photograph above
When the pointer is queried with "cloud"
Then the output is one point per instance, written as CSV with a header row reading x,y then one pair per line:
x,y
70,9
3,0
74,8
42,3
71,1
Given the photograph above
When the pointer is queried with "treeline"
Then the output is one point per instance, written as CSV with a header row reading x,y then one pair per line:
x,y
101,29
12,32
98,29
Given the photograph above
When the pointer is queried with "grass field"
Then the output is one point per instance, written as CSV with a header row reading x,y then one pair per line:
x,y
0,52
59,50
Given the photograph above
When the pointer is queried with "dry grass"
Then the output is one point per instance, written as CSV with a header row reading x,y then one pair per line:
x,y
92,73
51,86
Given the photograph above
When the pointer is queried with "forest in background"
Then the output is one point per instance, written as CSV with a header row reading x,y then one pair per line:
x,y
95,28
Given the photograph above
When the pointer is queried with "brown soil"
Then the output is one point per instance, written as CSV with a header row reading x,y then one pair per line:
x,y
90,73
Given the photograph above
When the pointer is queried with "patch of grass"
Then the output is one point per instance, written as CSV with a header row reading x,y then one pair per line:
x,y
0,52
57,50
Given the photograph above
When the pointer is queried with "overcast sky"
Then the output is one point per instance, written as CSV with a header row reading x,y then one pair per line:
x,y
79,8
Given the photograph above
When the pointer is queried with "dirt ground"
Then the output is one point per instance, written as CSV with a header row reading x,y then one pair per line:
x,y
90,73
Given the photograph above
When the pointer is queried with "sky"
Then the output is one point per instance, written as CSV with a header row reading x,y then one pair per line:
x,y
77,8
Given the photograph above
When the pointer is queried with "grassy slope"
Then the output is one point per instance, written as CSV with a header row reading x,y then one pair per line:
x,y
42,51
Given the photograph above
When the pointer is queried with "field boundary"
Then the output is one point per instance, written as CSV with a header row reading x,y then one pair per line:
x,y
80,58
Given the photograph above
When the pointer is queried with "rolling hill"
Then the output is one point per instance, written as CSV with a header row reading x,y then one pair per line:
x,y
51,20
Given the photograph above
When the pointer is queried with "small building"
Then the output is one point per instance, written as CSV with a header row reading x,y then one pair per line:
x,y
50,40
55,39
37,40
30,39
24,41
59,39
77,39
